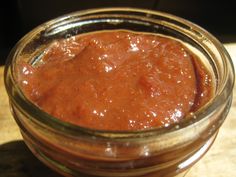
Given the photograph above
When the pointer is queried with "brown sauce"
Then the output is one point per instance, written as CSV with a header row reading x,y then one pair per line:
x,y
118,80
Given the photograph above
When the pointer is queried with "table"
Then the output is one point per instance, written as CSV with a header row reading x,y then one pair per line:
x,y
17,161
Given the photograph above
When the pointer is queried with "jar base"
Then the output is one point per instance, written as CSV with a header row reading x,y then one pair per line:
x,y
181,170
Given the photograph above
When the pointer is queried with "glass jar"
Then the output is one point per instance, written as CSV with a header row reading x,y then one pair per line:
x,y
73,151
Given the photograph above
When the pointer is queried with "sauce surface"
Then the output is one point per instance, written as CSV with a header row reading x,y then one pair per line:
x,y
117,80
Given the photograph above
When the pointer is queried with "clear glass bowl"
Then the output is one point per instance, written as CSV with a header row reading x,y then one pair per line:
x,y
76,151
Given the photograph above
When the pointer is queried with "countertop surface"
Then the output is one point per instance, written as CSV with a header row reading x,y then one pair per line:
x,y
17,161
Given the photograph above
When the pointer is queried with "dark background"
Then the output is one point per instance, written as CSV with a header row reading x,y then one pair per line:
x,y
17,17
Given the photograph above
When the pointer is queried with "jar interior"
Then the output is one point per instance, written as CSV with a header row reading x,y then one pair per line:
x,y
165,25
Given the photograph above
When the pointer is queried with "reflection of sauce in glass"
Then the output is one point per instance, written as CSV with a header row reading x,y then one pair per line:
x,y
117,80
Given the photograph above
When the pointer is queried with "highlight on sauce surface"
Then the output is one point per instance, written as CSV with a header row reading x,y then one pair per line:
x,y
117,80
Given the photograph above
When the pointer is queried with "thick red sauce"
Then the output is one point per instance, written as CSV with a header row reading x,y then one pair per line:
x,y
117,80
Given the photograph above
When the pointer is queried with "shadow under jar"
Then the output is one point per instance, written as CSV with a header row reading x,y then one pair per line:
x,y
76,151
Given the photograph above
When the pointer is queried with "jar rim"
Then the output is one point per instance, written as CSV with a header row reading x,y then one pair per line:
x,y
71,129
